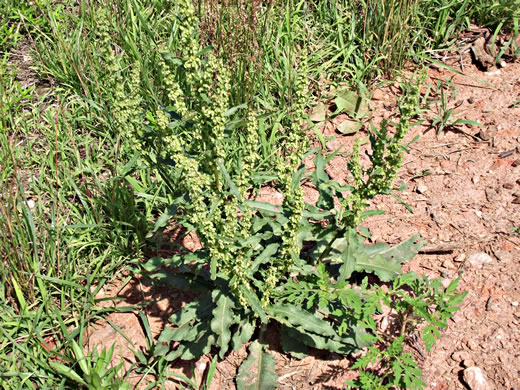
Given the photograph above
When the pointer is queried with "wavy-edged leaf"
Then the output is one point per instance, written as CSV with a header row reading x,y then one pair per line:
x,y
316,341
199,308
349,255
233,189
245,331
386,270
405,251
294,316
265,207
254,303
291,343
264,256
223,318
194,350
257,371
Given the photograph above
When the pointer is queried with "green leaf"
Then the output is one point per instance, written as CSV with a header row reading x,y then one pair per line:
x,y
264,257
257,371
194,350
291,343
405,251
265,207
319,112
80,357
316,341
349,126
245,331
294,316
232,110
68,372
384,269
199,308
349,255
233,189
351,103
254,303
223,318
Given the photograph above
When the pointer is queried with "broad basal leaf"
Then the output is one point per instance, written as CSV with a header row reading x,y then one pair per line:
x,y
292,344
349,255
257,371
243,334
324,343
293,316
223,318
405,251
384,269
254,303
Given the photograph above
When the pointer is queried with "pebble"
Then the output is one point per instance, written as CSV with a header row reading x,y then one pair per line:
x,y
468,363
332,146
491,195
459,258
459,356
30,204
447,264
421,188
472,345
478,259
476,379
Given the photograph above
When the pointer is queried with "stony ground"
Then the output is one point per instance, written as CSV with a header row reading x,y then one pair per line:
x,y
464,188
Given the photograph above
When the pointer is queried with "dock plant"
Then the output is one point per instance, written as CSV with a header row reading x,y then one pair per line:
x,y
298,267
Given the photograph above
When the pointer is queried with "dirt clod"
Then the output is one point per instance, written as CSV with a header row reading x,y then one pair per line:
x,y
476,379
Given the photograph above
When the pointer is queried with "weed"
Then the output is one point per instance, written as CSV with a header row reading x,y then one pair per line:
x,y
443,119
95,372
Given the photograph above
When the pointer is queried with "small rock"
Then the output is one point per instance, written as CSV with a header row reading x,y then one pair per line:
x,y
30,204
459,356
491,195
475,179
472,345
488,132
514,303
476,379
478,259
334,145
468,363
471,100
515,163
508,186
460,258
201,366
421,188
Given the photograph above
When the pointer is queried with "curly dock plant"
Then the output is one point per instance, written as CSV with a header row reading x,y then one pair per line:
x,y
295,265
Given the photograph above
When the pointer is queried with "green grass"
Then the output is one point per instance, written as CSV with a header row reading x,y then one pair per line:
x,y
77,203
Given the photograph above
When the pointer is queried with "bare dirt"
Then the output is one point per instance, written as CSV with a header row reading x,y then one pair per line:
x,y
464,188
